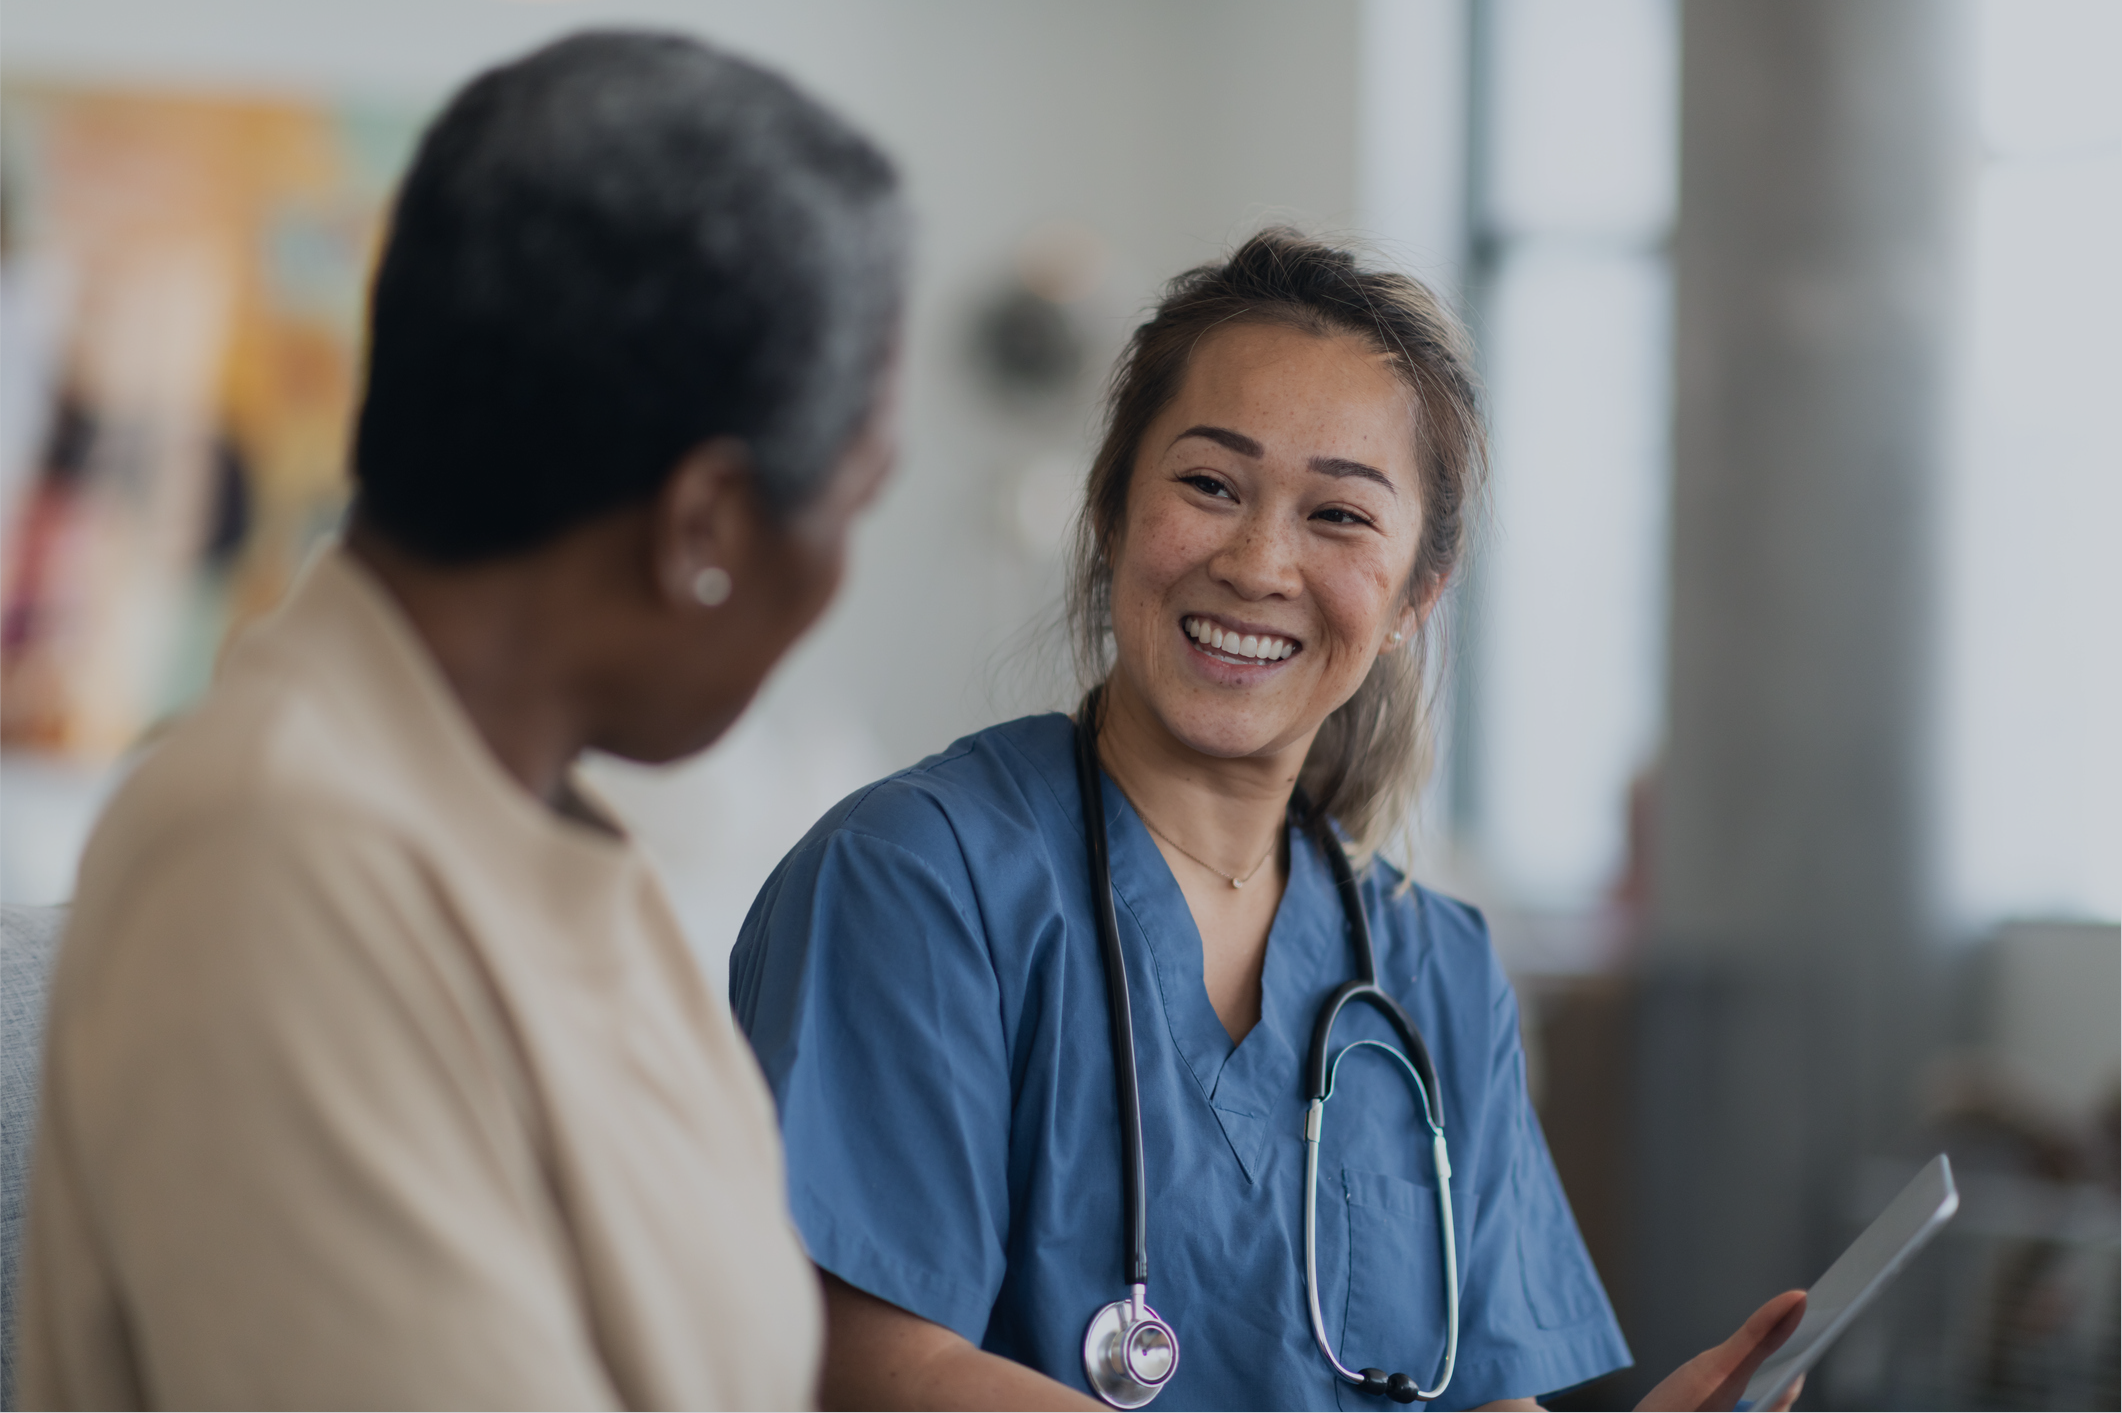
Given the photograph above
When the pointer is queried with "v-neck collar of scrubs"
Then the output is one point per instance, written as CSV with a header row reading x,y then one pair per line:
x,y
1241,1080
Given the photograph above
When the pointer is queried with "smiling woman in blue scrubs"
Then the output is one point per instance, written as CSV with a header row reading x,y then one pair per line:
x,y
1277,505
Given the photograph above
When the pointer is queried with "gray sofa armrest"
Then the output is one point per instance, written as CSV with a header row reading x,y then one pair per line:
x,y
29,941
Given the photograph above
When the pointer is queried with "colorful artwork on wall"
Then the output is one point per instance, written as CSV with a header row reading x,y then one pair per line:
x,y
181,292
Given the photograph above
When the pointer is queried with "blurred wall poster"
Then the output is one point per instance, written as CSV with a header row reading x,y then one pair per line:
x,y
182,284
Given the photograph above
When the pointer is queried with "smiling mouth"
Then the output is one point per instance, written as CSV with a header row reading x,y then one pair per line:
x,y
1242,649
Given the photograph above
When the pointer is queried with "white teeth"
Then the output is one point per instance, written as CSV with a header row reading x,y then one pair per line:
x,y
1260,647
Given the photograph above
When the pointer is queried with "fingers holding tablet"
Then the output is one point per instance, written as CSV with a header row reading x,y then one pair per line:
x,y
1764,1364
1714,1378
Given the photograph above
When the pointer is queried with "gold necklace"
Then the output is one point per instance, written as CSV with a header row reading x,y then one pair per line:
x,y
1235,881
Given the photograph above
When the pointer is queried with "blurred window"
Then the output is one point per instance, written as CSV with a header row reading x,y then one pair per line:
x,y
1575,169
2032,581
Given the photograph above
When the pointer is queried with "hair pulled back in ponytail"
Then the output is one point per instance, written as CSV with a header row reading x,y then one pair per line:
x,y
1370,756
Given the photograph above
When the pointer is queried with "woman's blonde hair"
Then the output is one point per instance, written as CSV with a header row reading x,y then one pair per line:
x,y
1370,757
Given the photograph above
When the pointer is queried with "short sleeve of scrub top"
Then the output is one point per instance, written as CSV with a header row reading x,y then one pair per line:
x,y
922,981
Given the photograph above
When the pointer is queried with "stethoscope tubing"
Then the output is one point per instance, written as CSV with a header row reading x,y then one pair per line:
x,y
1126,1082
1364,987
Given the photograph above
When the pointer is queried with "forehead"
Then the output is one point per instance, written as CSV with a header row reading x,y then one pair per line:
x,y
1300,395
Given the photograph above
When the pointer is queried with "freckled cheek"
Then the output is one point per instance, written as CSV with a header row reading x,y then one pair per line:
x,y
1161,550
1355,600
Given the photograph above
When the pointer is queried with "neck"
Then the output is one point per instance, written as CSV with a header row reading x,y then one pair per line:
x,y
1227,812
490,628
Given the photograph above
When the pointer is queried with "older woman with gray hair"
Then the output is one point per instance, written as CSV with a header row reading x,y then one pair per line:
x,y
378,1073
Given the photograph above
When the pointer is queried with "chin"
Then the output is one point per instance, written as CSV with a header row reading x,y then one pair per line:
x,y
667,742
1226,731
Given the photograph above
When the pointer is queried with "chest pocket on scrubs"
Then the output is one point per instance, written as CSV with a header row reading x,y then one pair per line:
x,y
1395,1277
1561,1293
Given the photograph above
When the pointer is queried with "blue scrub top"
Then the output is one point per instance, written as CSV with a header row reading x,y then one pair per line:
x,y
922,981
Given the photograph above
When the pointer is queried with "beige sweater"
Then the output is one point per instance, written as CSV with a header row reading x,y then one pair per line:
x,y
372,1082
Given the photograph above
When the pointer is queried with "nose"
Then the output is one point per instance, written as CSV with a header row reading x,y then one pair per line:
x,y
1259,561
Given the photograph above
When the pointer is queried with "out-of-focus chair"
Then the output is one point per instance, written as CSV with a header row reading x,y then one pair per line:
x,y
2015,1304
29,940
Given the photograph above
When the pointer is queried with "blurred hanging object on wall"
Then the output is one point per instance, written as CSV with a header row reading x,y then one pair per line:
x,y
1039,336
1031,339
183,292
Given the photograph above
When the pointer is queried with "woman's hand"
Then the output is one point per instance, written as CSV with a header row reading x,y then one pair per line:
x,y
1716,1377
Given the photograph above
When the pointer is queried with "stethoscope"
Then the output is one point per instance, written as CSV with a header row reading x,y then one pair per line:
x,y
1129,1351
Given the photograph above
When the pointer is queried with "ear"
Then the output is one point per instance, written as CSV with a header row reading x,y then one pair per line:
x,y
704,517
1426,602
1413,615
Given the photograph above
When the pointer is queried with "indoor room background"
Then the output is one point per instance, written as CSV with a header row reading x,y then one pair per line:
x,y
1781,700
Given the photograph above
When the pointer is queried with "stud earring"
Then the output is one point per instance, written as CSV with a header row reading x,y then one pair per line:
x,y
712,585
1398,637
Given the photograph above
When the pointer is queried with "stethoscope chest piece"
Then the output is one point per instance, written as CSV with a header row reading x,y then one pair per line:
x,y
1129,1354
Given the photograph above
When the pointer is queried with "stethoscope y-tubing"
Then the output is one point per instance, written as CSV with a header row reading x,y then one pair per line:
x,y
1399,1387
1320,1071
1134,1196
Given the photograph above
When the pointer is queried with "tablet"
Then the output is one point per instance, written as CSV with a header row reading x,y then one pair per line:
x,y
1859,1274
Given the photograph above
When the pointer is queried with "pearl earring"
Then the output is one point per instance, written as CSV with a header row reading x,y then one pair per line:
x,y
1397,637
712,585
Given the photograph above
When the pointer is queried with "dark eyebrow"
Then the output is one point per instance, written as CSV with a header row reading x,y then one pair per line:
x,y
1335,466
1338,466
1225,437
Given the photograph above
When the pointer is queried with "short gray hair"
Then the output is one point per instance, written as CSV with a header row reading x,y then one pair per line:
x,y
605,253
